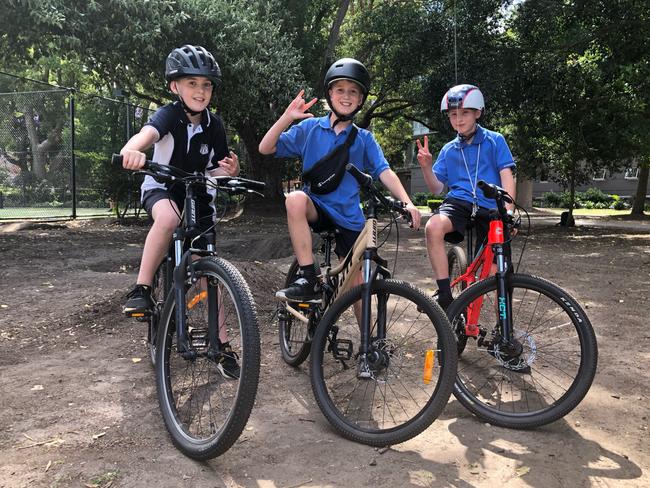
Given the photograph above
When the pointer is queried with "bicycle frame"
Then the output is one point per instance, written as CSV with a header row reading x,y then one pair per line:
x,y
340,278
481,267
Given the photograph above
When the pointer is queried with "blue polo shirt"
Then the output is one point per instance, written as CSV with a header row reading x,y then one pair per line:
x,y
314,138
494,156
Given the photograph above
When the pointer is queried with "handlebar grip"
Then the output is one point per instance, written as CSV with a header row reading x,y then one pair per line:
x,y
494,191
490,191
116,160
363,179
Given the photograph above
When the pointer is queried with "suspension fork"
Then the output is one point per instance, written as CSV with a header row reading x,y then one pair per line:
x,y
181,262
214,306
366,300
504,300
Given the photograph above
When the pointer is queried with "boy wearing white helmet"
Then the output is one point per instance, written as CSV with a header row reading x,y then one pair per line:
x,y
475,154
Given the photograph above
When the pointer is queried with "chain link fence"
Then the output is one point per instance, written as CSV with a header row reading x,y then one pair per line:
x,y
55,147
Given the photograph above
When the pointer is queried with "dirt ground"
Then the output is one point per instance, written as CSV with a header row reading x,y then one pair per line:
x,y
79,409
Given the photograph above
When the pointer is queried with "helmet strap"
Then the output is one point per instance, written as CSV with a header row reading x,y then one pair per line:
x,y
188,109
184,105
469,136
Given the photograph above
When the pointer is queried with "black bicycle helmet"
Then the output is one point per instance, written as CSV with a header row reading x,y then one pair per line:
x,y
352,70
191,60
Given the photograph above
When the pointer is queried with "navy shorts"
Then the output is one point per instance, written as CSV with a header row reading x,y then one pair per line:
x,y
460,214
205,212
345,238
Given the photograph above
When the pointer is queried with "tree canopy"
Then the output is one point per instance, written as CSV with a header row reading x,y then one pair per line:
x,y
566,82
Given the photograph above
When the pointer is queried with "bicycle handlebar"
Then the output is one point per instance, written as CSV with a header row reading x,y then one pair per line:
x,y
164,171
494,191
365,181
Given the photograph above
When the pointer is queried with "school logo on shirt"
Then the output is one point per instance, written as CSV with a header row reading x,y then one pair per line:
x,y
204,149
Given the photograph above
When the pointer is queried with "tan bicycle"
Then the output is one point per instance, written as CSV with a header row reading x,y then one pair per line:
x,y
383,356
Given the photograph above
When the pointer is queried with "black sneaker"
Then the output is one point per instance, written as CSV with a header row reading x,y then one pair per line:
x,y
301,290
228,365
139,303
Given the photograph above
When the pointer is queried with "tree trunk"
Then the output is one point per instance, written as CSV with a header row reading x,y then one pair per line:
x,y
641,190
524,191
331,44
263,168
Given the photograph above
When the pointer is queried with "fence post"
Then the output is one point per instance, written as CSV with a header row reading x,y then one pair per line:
x,y
74,167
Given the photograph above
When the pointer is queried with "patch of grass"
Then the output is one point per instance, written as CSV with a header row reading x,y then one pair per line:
x,y
104,480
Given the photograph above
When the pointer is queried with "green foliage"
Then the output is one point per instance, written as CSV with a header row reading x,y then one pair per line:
x,y
434,204
592,198
421,198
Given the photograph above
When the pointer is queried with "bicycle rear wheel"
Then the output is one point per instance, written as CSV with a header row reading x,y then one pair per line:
x,y
457,262
294,334
204,405
556,360
394,401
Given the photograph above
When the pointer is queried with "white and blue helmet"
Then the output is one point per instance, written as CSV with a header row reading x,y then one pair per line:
x,y
462,96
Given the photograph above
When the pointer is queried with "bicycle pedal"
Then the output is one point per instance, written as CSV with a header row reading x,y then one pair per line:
x,y
139,316
342,349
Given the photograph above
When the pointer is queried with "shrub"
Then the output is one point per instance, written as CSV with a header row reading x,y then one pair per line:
x,y
434,203
620,205
420,198
596,195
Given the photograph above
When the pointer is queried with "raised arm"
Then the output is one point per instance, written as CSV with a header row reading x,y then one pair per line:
x,y
297,110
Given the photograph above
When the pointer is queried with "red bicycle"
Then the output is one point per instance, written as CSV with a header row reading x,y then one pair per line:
x,y
535,353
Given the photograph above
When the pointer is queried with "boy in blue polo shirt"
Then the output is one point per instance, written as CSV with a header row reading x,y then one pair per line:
x,y
475,154
347,83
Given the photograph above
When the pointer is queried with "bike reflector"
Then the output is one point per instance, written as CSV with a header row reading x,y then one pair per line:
x,y
196,299
428,366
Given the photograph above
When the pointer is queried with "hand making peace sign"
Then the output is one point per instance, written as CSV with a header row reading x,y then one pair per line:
x,y
424,156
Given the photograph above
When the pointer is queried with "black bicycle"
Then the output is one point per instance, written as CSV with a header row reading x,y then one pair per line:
x,y
203,333
383,356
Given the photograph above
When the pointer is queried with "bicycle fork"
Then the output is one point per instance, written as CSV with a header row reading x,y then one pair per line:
x,y
370,359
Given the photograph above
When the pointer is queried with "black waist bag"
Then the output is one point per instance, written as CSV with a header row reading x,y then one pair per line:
x,y
326,174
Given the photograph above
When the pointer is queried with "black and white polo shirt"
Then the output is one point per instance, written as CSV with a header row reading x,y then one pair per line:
x,y
183,145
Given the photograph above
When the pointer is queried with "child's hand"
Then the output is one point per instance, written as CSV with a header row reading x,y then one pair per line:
x,y
230,165
133,160
424,156
415,216
297,109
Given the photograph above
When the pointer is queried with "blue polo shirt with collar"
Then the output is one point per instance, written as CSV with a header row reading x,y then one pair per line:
x,y
314,138
494,156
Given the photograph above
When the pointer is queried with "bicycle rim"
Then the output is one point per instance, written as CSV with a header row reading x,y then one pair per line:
x,y
205,411
554,370
395,403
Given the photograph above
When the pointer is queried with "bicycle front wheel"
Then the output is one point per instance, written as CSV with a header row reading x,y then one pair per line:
x,y
555,356
206,399
407,376
158,298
